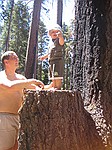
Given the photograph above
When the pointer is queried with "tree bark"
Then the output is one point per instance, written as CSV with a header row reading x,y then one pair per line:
x,y
92,61
57,120
105,73
59,12
30,68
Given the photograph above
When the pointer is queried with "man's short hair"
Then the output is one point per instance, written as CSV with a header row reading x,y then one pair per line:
x,y
7,55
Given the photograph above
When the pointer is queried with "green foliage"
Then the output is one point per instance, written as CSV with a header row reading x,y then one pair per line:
x,y
18,40
42,69
19,30
68,46
5,18
1,9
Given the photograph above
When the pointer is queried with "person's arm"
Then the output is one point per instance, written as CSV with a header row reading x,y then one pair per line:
x,y
61,39
27,83
47,87
21,84
43,57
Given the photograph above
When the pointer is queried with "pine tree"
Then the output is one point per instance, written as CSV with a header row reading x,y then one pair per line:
x,y
19,31
30,64
6,18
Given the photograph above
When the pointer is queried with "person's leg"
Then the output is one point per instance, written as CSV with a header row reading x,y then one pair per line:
x,y
15,147
6,147
10,149
49,86
8,131
56,73
57,83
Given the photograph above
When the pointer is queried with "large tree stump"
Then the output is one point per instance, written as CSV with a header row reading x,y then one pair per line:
x,y
57,120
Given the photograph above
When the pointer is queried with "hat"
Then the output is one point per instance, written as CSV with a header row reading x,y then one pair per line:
x,y
54,27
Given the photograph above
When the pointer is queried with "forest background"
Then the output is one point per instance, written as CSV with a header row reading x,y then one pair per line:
x,y
15,22
88,68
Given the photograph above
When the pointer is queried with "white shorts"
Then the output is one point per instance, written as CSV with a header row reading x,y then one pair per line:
x,y
9,125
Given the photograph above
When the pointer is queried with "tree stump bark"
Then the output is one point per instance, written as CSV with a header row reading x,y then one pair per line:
x,y
57,120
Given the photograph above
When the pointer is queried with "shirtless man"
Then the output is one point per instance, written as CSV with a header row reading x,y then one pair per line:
x,y
11,92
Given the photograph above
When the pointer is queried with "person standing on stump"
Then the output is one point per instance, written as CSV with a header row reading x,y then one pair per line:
x,y
55,56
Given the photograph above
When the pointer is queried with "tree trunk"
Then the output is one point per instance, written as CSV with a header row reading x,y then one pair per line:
x,y
30,68
92,61
57,121
105,74
59,12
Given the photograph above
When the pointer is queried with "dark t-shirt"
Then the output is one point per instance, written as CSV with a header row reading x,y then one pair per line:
x,y
56,61
55,50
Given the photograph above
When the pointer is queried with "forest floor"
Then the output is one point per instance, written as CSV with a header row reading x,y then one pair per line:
x,y
104,130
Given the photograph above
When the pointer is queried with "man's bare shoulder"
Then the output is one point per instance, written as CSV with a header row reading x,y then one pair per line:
x,y
20,76
3,78
2,74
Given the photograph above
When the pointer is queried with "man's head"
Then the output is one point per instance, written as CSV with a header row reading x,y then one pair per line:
x,y
9,56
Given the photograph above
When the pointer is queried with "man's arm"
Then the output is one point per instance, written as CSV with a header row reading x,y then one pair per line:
x,y
21,84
